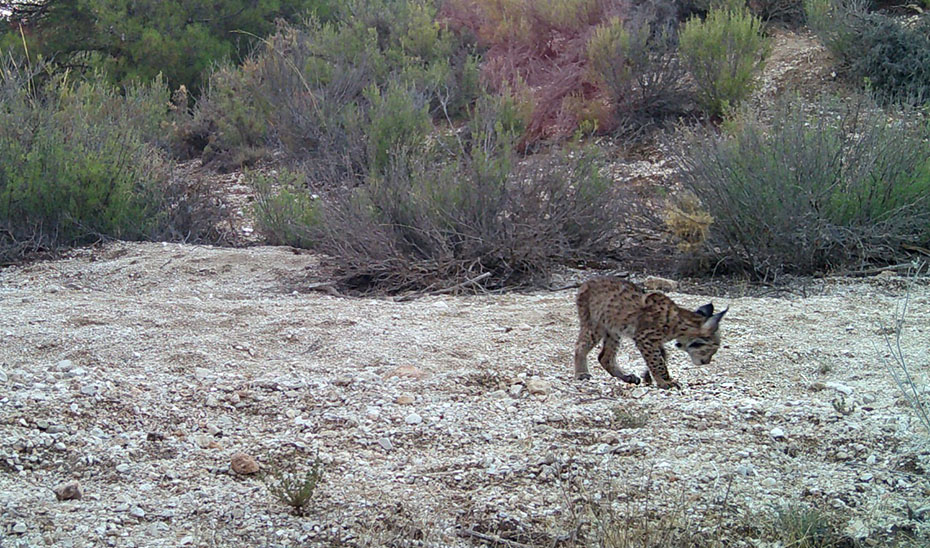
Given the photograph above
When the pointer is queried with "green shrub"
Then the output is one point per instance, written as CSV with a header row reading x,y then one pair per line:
x,y
636,61
286,212
230,121
78,163
136,41
825,186
316,90
884,54
724,53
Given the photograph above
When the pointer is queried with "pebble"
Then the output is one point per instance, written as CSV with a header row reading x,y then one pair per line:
x,y
201,373
89,390
777,433
413,418
841,388
65,365
122,468
3,377
655,283
19,528
69,491
768,482
121,507
385,444
242,463
76,372
516,390
497,394
137,512
56,428
538,387
42,424
404,399
406,371
745,470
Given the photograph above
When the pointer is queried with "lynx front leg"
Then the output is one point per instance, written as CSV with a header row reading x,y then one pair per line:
x,y
654,355
608,360
586,341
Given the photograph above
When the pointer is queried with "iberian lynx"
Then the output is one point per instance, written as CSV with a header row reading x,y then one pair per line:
x,y
610,308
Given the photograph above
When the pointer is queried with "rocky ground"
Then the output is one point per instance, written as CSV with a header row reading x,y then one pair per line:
x,y
139,370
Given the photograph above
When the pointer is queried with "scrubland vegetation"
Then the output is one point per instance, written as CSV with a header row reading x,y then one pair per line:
x,y
428,143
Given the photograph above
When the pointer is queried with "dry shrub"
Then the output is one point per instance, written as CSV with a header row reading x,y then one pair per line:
x,y
687,221
479,216
540,46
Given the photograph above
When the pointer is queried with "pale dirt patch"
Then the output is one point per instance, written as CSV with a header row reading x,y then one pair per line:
x,y
182,356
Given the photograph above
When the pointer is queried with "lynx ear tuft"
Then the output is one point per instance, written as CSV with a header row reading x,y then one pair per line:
x,y
707,310
711,324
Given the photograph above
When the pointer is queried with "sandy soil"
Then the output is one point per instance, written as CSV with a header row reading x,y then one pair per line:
x,y
140,369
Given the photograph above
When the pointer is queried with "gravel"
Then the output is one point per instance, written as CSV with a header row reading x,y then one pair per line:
x,y
190,355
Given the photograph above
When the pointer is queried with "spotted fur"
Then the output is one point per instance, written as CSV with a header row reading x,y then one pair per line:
x,y
610,308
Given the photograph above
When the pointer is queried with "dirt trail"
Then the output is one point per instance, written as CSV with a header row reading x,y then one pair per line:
x,y
140,369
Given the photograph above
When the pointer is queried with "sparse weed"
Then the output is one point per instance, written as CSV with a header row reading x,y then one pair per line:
x,y
842,406
897,364
798,526
293,488
624,417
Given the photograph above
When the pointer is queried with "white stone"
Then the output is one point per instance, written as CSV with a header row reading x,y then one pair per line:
x,y
777,433
413,418
385,444
841,388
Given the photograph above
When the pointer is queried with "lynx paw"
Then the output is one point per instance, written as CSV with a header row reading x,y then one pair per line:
x,y
582,376
629,379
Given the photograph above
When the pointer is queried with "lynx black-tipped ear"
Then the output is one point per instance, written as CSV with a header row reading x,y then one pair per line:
x,y
707,310
711,324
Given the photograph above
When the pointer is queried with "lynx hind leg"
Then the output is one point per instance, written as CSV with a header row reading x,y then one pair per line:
x,y
587,340
608,360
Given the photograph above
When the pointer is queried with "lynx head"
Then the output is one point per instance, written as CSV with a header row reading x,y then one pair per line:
x,y
702,346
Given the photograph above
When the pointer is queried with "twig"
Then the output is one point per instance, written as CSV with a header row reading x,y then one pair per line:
x,y
469,532
324,287
879,270
443,291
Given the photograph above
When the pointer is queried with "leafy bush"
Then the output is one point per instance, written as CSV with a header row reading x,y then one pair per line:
x,y
882,53
636,61
136,41
824,187
285,212
316,90
466,209
77,163
723,53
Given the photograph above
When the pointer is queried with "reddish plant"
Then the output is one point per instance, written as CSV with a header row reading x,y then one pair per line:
x,y
540,47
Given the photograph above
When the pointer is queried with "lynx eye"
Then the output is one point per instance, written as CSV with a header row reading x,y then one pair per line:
x,y
677,345
697,344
